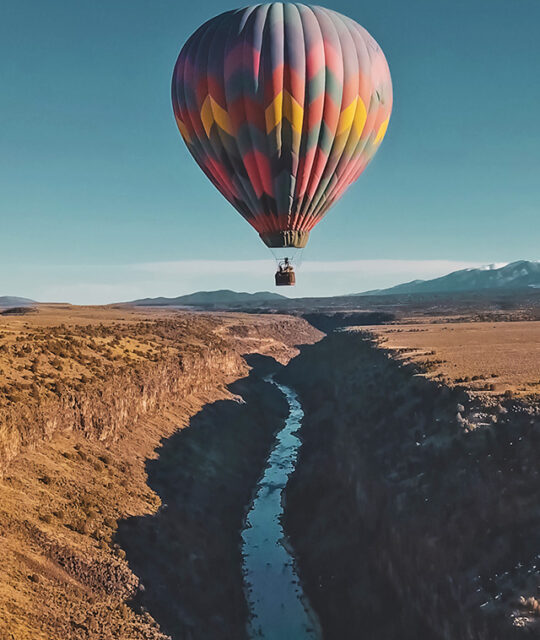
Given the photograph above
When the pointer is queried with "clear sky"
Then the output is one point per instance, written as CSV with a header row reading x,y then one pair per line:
x,y
100,200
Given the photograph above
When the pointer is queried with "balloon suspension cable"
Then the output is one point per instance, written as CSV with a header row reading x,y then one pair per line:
x,y
300,257
293,255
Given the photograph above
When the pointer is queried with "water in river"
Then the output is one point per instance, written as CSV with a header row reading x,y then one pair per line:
x,y
279,609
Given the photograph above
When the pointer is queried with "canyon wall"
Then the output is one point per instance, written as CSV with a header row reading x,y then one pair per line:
x,y
204,354
125,485
413,508
102,411
187,555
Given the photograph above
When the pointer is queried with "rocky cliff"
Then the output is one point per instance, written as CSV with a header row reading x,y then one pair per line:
x,y
99,379
104,410
414,508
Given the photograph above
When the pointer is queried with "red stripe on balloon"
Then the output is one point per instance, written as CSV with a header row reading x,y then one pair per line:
x,y
250,163
254,113
314,61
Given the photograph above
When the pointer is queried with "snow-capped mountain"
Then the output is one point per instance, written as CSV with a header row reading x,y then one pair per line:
x,y
522,274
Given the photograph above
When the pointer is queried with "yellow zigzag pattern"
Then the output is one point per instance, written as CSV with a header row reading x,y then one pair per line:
x,y
382,131
284,106
355,115
211,112
183,130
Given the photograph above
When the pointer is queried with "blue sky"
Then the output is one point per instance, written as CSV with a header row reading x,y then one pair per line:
x,y
100,200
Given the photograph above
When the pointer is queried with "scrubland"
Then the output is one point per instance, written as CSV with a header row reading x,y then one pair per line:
x,y
413,511
489,357
61,348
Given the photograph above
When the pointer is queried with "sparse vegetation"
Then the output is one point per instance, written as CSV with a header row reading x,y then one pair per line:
x,y
471,352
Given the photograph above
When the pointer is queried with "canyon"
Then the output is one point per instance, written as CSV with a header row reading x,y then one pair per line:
x,y
132,442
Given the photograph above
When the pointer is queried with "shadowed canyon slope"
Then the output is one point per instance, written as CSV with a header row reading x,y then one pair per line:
x,y
412,497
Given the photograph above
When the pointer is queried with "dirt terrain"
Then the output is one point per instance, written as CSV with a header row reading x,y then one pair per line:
x,y
90,399
489,357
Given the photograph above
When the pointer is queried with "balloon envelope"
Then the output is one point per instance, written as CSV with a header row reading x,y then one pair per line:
x,y
282,106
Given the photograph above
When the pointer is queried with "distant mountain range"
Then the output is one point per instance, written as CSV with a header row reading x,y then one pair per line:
x,y
223,297
522,274
14,301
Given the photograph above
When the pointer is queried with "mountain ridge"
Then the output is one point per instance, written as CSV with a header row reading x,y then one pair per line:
x,y
208,298
521,274
15,301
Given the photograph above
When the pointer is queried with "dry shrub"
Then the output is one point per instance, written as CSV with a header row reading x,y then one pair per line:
x,y
531,604
82,527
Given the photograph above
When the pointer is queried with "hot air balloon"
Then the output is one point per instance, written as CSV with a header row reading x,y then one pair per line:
x,y
282,106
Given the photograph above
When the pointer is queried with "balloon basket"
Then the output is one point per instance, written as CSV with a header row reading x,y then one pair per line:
x,y
285,278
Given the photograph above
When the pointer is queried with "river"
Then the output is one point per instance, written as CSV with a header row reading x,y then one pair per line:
x,y
279,608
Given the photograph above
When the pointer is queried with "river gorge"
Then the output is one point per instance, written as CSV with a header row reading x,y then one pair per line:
x,y
260,489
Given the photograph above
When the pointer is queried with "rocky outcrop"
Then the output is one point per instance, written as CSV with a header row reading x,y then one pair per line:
x,y
411,517
106,406
104,411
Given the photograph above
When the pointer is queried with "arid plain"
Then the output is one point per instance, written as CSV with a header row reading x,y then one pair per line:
x,y
492,357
